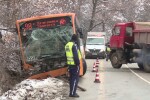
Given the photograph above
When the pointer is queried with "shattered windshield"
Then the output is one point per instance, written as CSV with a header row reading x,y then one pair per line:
x,y
95,41
46,41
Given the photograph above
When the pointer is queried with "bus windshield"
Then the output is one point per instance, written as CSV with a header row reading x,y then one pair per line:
x,y
96,41
45,37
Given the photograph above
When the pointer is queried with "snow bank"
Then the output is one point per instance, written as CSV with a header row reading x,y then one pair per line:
x,y
46,89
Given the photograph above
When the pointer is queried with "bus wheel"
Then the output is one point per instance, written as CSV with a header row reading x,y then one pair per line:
x,y
84,66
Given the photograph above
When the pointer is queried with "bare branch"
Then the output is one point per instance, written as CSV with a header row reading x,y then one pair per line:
x,y
96,25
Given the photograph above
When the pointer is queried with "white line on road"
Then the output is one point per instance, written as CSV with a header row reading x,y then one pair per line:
x,y
102,85
138,75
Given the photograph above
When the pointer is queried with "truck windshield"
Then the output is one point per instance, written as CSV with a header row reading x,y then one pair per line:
x,y
97,41
45,38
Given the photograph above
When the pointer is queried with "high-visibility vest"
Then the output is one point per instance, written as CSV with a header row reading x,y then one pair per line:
x,y
69,53
108,49
79,54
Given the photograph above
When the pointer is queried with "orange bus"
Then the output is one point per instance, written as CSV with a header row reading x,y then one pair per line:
x,y
42,41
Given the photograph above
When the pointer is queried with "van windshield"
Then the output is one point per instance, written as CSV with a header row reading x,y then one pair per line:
x,y
96,41
47,38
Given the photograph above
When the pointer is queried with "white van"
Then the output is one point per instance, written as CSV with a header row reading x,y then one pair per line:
x,y
95,45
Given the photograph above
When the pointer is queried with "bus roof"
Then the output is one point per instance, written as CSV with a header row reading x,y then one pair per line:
x,y
46,16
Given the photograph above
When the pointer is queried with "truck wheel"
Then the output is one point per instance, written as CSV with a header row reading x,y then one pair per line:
x,y
84,66
115,60
140,65
146,64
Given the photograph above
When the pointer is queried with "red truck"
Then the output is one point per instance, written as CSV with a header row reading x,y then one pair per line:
x,y
130,43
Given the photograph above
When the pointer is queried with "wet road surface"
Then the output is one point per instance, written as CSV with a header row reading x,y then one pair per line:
x,y
126,83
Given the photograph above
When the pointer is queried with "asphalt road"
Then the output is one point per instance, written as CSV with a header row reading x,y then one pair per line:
x,y
126,83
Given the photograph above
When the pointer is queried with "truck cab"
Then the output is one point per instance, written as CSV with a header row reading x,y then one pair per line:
x,y
122,35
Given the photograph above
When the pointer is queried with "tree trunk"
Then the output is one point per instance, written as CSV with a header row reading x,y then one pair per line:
x,y
93,15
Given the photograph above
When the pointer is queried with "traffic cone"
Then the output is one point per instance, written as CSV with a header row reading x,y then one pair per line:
x,y
97,61
97,80
94,67
97,65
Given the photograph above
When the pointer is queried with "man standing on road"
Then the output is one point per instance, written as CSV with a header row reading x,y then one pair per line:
x,y
73,61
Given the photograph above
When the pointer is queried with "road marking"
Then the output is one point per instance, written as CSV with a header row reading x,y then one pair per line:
x,y
138,75
102,85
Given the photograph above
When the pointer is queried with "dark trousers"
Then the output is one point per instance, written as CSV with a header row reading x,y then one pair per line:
x,y
74,78
107,56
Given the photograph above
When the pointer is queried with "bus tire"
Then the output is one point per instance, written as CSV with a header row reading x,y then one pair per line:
x,y
84,66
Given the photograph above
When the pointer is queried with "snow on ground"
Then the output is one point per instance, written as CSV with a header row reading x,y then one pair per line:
x,y
46,89
31,89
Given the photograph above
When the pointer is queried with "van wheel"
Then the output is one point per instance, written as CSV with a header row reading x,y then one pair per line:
x,y
104,56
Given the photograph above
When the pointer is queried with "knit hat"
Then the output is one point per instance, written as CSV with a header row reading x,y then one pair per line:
x,y
74,37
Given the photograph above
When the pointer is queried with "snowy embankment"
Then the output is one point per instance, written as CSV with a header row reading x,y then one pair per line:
x,y
46,89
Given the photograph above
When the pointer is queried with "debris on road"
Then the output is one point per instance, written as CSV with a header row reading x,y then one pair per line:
x,y
79,87
31,89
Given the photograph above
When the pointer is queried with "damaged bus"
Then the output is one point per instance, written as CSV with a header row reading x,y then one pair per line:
x,y
42,41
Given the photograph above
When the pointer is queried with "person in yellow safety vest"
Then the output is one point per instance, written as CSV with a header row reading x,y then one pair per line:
x,y
73,56
107,52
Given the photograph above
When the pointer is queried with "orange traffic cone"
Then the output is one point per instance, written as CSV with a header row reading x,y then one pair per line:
x,y
97,80
94,67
